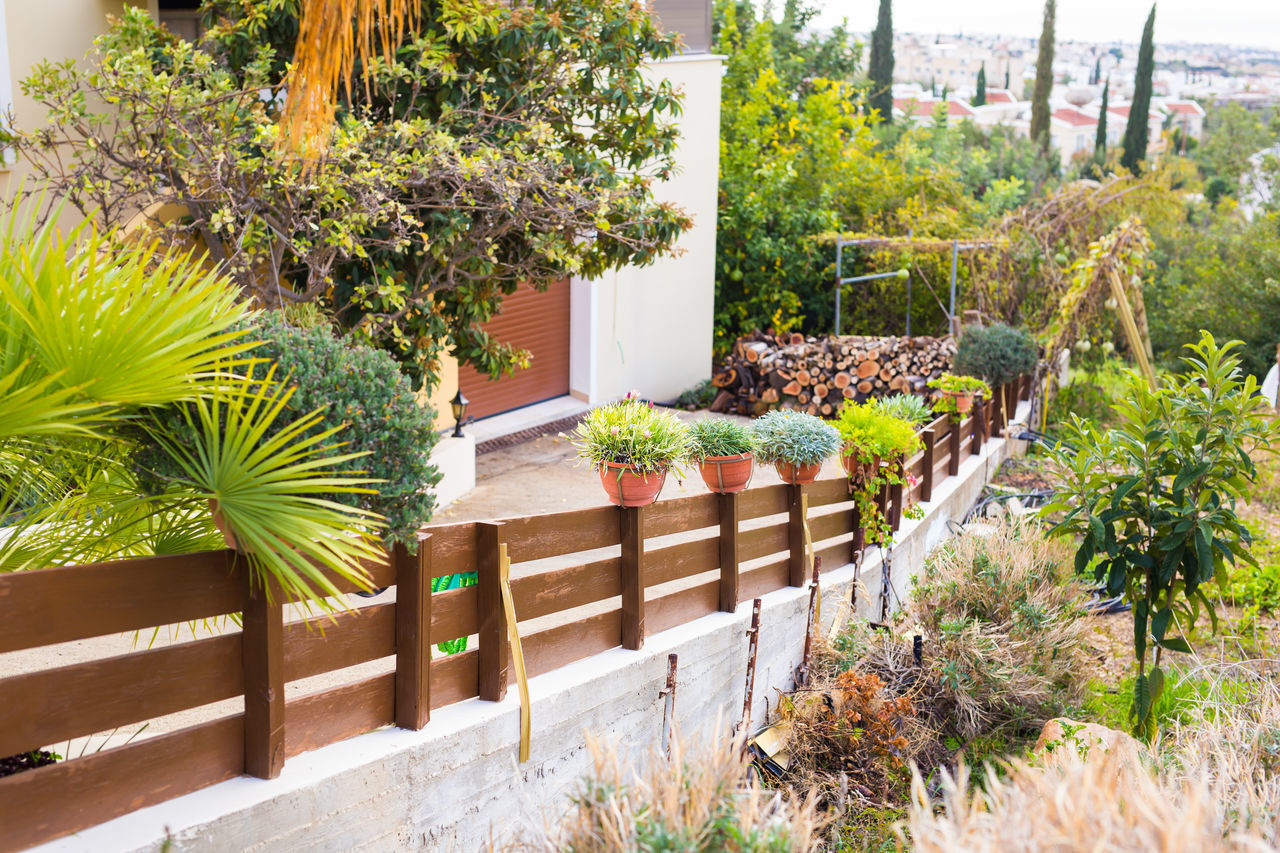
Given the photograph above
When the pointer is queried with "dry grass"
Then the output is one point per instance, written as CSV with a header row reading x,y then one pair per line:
x,y
695,802
1213,787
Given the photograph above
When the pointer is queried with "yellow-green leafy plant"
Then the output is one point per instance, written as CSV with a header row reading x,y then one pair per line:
x,y
880,442
635,433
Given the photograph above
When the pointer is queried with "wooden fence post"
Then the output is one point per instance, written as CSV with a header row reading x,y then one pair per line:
x,y
798,576
494,655
926,476
979,428
413,634
997,411
895,499
953,449
1011,397
262,651
631,526
728,552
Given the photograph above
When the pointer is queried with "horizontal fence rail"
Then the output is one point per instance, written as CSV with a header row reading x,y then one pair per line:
x,y
582,581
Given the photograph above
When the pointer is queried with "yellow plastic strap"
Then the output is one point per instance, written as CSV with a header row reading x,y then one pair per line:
x,y
517,652
808,552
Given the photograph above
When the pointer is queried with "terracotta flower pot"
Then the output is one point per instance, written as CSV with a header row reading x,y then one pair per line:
x,y
855,467
628,487
797,475
221,523
727,475
964,402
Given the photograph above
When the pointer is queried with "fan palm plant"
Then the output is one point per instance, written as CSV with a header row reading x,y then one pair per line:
x,y
97,344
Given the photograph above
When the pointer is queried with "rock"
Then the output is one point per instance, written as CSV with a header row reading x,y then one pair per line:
x,y
1083,738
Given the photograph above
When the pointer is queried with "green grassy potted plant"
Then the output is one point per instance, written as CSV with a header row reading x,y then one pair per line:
x,y
796,443
956,393
633,445
909,407
872,438
723,450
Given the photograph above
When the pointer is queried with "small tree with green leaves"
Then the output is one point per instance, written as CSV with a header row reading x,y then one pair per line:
x,y
980,97
1153,500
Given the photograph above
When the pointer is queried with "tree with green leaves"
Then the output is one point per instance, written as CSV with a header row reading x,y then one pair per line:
x,y
1044,80
1006,78
458,169
1097,72
880,69
1100,141
1152,501
1137,131
980,96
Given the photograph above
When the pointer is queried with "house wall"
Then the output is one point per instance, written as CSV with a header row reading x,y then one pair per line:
x,y
650,328
52,30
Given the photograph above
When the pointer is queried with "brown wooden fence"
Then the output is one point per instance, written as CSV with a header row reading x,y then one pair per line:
x,y
608,585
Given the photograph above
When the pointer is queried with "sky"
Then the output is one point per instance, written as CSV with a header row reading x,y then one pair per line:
x,y
1239,22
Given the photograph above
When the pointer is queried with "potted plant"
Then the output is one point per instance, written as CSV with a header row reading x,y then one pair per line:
x,y
909,407
796,443
997,353
957,392
872,438
633,445
723,450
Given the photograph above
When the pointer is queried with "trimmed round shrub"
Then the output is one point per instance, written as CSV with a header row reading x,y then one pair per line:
x,y
996,353
356,386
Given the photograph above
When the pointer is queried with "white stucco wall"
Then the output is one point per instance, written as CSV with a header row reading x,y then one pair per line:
x,y
650,328
456,784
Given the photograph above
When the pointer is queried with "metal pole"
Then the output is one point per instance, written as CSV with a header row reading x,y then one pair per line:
x,y
839,281
955,257
908,306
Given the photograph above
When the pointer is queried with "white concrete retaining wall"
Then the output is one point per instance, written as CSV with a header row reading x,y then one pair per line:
x,y
456,784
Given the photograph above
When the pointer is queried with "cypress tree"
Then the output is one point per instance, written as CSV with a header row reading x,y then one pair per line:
x,y
1100,143
881,63
1097,72
1044,80
1006,78
980,97
1136,131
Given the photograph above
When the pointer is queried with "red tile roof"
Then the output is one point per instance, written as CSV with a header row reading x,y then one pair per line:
x,y
1185,108
1120,110
1074,118
925,107
1000,96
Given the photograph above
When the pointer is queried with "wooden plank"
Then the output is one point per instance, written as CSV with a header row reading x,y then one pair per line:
x,y
381,573
413,635
763,541
453,678
895,503
573,641
550,592
57,605
939,424
262,648
455,613
349,638
539,536
727,597
50,802
495,647
772,576
683,606
319,719
930,438
453,548
762,501
681,560
53,705
631,523
799,574
682,514
826,492
829,524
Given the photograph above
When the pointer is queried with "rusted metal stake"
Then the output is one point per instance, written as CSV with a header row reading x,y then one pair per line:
x,y
668,712
802,674
753,644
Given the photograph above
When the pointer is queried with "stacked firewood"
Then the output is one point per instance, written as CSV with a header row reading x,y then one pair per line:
x,y
817,374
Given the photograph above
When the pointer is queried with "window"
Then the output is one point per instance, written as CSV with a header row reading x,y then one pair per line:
x,y
182,18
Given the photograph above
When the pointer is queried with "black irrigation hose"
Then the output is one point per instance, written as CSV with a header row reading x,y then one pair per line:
x,y
1034,498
